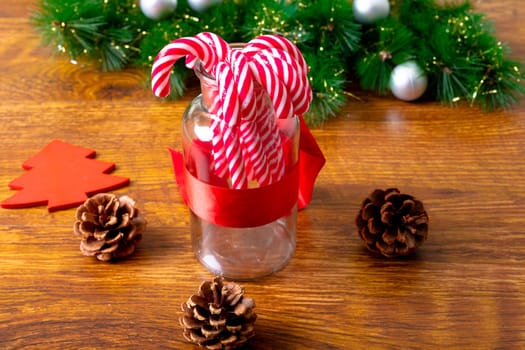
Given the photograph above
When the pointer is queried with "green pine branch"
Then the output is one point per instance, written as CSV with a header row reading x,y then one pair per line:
x,y
455,46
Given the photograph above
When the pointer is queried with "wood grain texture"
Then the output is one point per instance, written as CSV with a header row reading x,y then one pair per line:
x,y
463,289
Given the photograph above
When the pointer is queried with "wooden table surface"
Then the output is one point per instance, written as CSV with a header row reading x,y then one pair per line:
x,y
465,287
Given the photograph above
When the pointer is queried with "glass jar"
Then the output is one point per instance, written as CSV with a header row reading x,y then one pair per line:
x,y
235,232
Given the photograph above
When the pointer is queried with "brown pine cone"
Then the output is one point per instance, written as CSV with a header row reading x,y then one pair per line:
x,y
392,223
109,227
218,316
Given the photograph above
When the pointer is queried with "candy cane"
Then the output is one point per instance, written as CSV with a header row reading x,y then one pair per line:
x,y
273,41
222,49
243,81
193,48
219,152
230,119
273,86
290,75
302,76
234,157
171,53
282,108
219,45
255,158
271,139
282,48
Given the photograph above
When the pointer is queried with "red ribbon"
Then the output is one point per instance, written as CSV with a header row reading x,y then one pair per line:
x,y
311,161
255,206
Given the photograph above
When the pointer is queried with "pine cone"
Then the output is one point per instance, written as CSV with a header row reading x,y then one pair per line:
x,y
219,316
392,223
110,227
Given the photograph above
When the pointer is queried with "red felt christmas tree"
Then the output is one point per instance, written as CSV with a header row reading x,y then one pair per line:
x,y
63,176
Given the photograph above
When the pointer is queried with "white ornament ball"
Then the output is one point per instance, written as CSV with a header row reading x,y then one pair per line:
x,y
408,82
157,9
369,11
201,5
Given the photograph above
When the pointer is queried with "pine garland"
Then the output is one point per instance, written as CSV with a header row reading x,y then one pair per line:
x,y
454,45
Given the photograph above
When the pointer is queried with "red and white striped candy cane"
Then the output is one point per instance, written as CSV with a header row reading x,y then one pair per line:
x,y
274,87
251,141
280,68
234,157
304,89
278,42
171,53
218,44
230,119
222,50
220,164
271,139
283,108
287,70
265,126
228,95
282,48
243,81
196,48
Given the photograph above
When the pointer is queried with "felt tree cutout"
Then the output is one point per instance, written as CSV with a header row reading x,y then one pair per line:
x,y
63,176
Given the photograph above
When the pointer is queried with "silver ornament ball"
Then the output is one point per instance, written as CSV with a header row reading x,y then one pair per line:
x,y
369,11
201,5
157,9
408,82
